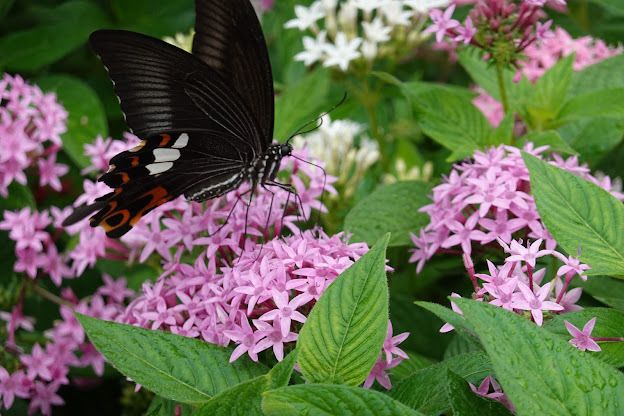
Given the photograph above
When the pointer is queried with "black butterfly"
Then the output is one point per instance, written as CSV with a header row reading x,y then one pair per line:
x,y
205,119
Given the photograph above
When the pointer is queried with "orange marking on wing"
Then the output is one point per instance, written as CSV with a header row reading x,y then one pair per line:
x,y
124,179
134,160
165,140
159,196
107,227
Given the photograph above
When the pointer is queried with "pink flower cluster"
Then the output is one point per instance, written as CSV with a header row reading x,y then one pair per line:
x,y
30,126
44,370
259,302
501,28
487,199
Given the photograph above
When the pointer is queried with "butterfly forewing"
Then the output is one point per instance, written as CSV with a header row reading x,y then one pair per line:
x,y
228,37
163,88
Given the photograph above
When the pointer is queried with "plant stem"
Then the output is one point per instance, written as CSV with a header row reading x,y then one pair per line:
x,y
52,297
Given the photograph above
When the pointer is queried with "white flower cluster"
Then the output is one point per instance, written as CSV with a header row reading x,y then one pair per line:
x,y
360,28
333,143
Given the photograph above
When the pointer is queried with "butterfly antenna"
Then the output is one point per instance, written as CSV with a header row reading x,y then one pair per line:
x,y
319,119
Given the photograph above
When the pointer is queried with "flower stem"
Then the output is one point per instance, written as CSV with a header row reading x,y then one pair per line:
x,y
52,297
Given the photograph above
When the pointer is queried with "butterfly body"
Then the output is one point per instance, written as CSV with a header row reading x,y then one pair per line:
x,y
205,119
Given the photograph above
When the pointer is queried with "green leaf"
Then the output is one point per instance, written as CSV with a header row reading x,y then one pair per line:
x,y
281,372
33,48
246,398
301,103
609,324
86,119
392,208
462,327
605,74
179,368
344,333
601,103
578,213
464,402
20,196
242,399
606,289
416,362
485,76
426,391
165,407
549,138
540,372
319,399
503,134
593,137
450,119
550,91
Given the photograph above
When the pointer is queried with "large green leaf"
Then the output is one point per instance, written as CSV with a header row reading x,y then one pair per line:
x,y
425,390
320,399
450,119
602,75
246,398
392,208
579,214
344,333
549,138
540,372
41,45
179,368
86,119
462,327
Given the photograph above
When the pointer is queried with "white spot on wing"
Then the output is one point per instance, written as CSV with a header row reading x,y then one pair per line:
x,y
166,155
181,142
156,168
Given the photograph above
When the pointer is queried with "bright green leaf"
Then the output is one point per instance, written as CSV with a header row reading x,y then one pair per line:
x,y
86,119
281,372
609,324
449,118
601,103
593,137
605,74
344,333
392,208
176,367
540,372
552,87
426,391
503,134
319,399
578,213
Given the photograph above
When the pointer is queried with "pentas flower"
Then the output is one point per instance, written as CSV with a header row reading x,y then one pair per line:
x,y
356,32
503,29
497,393
31,123
487,199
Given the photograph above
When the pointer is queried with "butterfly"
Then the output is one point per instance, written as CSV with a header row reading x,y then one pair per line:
x,y
205,119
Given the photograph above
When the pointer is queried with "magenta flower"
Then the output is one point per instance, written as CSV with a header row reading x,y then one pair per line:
x,y
582,339
43,397
379,373
526,254
38,363
390,345
286,311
